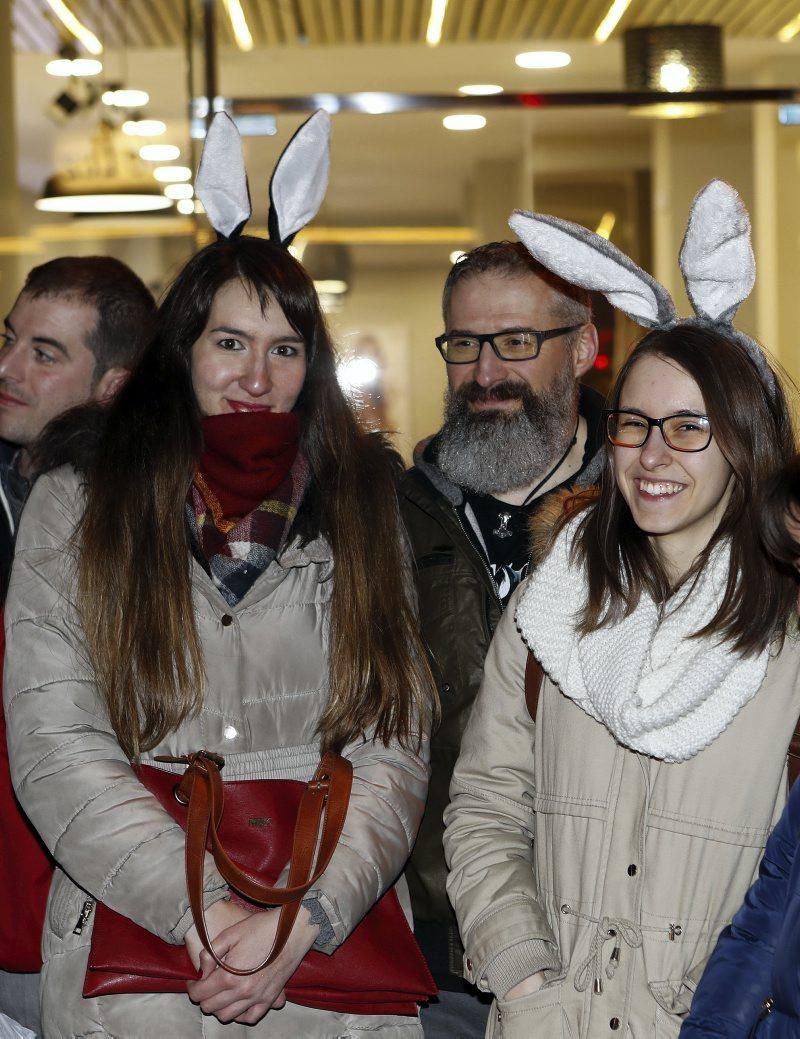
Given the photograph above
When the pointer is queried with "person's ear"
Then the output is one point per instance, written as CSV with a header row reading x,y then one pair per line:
x,y
109,384
585,350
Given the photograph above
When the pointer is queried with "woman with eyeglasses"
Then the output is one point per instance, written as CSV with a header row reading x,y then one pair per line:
x,y
622,805
750,987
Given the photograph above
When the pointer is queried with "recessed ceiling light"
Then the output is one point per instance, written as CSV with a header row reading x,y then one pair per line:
x,y
159,152
481,89
465,121
185,206
172,174
74,67
543,59
456,255
144,127
105,203
176,191
125,98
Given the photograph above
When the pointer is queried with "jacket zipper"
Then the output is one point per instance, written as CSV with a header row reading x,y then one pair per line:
x,y
766,1009
83,919
483,560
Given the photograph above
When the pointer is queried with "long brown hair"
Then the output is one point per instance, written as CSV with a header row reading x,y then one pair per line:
x,y
134,583
753,429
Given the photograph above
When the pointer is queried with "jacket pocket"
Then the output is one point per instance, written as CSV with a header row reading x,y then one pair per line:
x,y
540,1014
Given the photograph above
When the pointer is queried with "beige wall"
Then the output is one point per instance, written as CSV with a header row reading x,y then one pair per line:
x,y
405,303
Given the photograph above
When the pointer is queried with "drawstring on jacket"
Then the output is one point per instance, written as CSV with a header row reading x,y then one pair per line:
x,y
606,929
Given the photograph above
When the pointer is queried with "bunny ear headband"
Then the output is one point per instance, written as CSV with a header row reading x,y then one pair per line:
x,y
296,189
716,260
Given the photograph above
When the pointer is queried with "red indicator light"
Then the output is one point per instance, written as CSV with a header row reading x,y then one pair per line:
x,y
602,361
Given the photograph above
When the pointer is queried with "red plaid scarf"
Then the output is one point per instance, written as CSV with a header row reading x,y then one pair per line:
x,y
245,495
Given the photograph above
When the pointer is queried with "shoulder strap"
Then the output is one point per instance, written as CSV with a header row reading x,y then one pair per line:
x,y
533,688
793,755
320,819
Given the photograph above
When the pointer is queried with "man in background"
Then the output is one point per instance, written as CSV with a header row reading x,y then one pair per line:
x,y
517,426
74,334
76,330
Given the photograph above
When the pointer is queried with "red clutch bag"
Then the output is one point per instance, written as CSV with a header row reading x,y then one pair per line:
x,y
378,969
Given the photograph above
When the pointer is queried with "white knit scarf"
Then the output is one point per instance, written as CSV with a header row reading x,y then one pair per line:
x,y
657,690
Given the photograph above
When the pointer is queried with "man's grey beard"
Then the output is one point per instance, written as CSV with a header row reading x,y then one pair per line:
x,y
494,451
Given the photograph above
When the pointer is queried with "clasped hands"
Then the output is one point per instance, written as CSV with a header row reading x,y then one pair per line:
x,y
243,939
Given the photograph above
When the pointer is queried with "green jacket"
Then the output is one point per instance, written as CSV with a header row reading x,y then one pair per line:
x,y
459,610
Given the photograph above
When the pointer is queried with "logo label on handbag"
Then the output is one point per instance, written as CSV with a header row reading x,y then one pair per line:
x,y
259,820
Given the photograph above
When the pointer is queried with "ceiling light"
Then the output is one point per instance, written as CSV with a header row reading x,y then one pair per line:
x,y
108,180
159,152
241,30
172,174
543,59
144,127
464,121
78,30
606,225
176,191
673,59
121,203
433,34
125,98
185,206
373,102
790,30
74,67
674,109
480,89
611,20
456,255
674,76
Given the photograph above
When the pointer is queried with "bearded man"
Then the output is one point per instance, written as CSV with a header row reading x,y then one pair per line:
x,y
517,426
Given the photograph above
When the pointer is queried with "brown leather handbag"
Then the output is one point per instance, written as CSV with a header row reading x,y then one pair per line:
x,y
378,969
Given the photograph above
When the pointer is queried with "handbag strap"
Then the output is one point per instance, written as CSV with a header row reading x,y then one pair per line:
x,y
320,819
533,685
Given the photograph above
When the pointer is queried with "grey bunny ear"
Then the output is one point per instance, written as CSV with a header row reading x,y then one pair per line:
x,y
583,258
221,182
716,257
300,179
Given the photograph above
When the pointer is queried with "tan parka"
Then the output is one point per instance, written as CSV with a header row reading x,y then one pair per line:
x,y
611,871
266,666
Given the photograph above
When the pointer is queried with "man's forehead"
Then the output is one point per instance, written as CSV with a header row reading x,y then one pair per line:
x,y
493,291
51,307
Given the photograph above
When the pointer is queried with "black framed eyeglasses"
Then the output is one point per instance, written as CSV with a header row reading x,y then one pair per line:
x,y
521,344
681,432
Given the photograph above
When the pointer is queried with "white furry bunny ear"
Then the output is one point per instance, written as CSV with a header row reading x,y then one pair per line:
x,y
300,179
221,182
716,257
583,258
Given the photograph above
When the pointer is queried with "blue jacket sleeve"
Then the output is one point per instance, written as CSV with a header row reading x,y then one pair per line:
x,y
738,977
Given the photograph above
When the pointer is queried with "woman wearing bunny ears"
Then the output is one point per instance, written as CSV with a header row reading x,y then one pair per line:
x,y
604,828
225,574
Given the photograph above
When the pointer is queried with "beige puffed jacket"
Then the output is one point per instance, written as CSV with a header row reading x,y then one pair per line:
x,y
611,871
266,690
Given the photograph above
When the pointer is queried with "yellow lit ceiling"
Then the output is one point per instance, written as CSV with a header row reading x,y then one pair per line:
x,y
160,23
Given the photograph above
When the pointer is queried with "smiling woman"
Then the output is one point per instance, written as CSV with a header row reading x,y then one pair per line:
x,y
237,586
668,689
